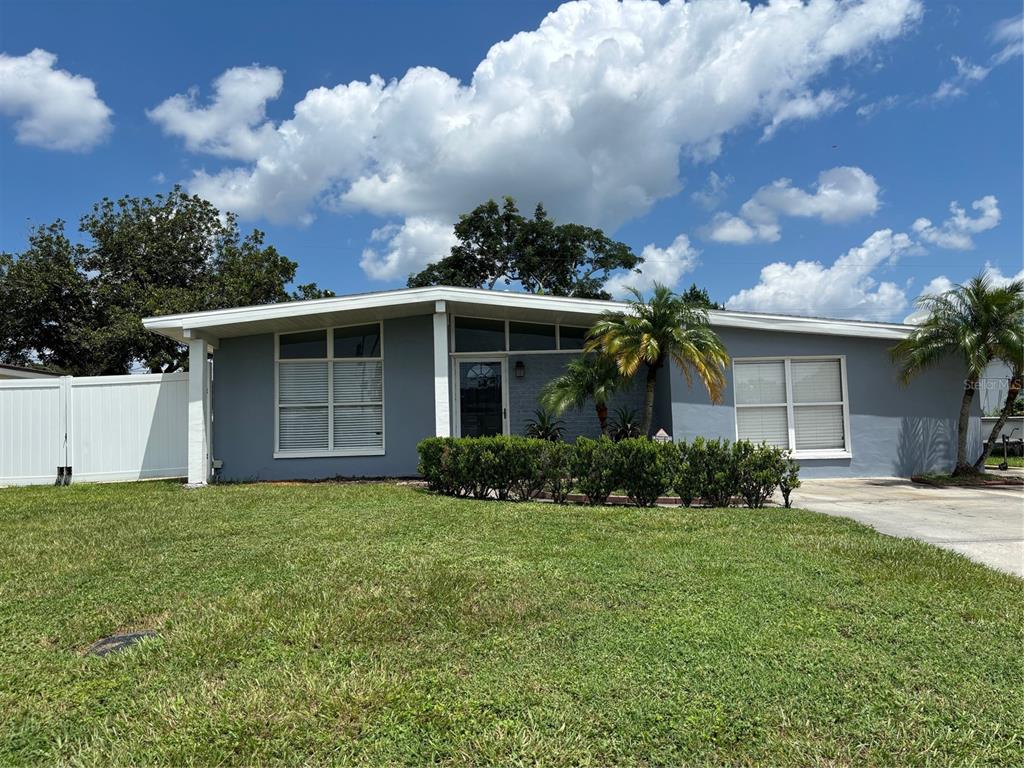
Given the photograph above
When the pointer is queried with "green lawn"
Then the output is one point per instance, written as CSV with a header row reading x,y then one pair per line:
x,y
1013,461
378,624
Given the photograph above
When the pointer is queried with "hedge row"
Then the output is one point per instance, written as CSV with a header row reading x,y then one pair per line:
x,y
520,468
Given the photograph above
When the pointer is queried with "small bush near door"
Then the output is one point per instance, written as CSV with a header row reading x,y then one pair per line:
x,y
595,468
647,469
505,467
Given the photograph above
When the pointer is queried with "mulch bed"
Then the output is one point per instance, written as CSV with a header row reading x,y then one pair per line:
x,y
970,481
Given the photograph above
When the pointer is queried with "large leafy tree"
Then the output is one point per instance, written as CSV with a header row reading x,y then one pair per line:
x,y
77,307
699,297
662,329
46,308
497,244
588,378
976,322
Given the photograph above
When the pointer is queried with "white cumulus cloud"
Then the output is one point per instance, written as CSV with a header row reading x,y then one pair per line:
x,y
806,106
234,124
956,231
51,107
403,249
589,113
726,228
840,194
661,265
844,289
713,192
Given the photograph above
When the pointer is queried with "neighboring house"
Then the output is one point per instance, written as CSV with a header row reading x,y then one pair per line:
x,y
994,385
8,372
347,386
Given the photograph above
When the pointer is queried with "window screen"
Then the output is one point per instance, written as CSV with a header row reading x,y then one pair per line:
x,y
764,425
334,405
770,393
817,381
819,427
571,337
357,341
474,334
759,383
530,336
305,344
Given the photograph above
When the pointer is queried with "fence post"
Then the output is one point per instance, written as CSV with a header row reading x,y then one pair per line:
x,y
198,407
67,425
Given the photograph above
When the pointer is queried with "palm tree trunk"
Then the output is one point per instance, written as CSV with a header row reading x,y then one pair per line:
x,y
602,416
963,467
652,378
1011,397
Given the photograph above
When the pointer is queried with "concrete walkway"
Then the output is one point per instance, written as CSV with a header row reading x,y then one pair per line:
x,y
985,524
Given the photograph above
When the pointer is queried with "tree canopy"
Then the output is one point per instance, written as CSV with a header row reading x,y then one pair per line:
x,y
497,244
699,297
77,306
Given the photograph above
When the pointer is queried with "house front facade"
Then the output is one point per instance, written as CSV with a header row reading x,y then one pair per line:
x,y
348,386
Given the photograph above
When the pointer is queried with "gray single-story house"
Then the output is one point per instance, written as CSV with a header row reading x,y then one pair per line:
x,y
9,372
347,386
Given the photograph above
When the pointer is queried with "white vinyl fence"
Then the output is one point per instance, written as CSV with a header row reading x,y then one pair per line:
x,y
102,427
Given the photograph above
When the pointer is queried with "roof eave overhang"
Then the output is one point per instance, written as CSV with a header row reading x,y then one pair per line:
x,y
503,304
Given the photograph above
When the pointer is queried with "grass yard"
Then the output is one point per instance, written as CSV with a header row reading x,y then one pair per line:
x,y
1013,461
356,624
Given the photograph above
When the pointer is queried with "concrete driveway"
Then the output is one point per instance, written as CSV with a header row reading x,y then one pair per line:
x,y
985,524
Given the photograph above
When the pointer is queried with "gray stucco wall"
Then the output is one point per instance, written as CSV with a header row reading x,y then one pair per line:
x,y
540,369
243,407
894,430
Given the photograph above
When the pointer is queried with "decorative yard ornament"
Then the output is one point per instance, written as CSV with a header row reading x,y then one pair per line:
x,y
661,436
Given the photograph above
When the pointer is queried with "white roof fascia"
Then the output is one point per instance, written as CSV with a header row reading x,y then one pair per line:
x,y
176,325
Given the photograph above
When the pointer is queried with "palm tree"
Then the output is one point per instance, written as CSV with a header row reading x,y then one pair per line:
x,y
977,322
588,377
1016,383
664,328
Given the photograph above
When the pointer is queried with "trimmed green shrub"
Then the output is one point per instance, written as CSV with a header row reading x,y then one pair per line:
x,y
503,466
441,465
431,453
709,472
556,469
646,468
521,468
760,468
688,478
524,464
595,466
790,480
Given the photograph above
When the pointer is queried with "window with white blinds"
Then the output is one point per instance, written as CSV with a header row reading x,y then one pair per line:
x,y
793,403
330,392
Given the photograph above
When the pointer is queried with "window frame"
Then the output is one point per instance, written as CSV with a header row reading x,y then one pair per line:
x,y
846,452
506,350
329,361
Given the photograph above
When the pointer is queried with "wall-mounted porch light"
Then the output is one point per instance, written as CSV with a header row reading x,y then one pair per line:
x,y
520,369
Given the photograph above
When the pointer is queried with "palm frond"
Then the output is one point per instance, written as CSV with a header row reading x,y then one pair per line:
x,y
976,322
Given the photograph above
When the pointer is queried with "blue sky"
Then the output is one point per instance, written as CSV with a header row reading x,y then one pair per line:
x,y
880,115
